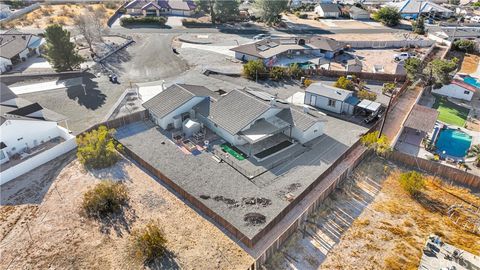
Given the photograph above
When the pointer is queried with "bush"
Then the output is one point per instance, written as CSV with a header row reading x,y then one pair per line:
x,y
295,71
143,20
254,69
412,182
308,82
104,199
277,73
148,243
97,149
344,83
301,15
111,4
365,94
464,45
389,16
379,145
388,88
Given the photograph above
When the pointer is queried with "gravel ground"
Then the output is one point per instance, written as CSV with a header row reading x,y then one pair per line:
x,y
45,204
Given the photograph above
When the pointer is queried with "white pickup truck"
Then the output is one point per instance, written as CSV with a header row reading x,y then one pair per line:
x,y
402,56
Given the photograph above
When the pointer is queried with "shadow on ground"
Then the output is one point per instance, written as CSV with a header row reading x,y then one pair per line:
x,y
88,96
166,262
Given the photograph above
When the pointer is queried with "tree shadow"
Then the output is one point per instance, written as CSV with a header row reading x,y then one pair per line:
x,y
166,262
119,222
431,204
88,94
116,172
115,61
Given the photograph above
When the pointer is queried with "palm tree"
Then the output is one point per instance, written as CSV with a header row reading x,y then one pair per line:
x,y
475,152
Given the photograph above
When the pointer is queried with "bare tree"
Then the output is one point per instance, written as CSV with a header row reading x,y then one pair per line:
x,y
90,26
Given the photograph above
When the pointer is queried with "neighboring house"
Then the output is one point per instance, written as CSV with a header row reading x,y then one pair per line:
x,y
457,89
16,47
328,10
354,65
271,50
410,9
243,118
447,34
357,13
30,135
160,7
4,11
330,98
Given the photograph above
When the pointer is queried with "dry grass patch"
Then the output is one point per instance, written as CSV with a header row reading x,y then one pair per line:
x,y
469,64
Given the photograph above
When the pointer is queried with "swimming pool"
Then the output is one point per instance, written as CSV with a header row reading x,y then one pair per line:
x,y
472,81
454,142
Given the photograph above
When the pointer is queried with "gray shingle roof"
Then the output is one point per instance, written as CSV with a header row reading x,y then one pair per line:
x,y
298,118
357,10
328,91
329,7
173,97
422,118
236,110
6,93
12,43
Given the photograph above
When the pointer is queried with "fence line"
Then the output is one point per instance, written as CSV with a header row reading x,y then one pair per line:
x,y
20,12
437,169
389,43
362,75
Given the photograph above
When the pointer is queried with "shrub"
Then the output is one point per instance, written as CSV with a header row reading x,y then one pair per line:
x,y
254,69
111,4
388,88
97,149
344,83
365,94
143,20
389,16
412,182
301,15
308,82
464,45
148,243
379,145
295,71
105,198
277,73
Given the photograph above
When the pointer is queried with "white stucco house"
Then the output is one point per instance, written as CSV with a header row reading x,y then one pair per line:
x,y
251,120
16,47
30,135
330,98
160,7
457,89
328,10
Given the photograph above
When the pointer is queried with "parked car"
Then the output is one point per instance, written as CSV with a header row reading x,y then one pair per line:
x,y
402,56
261,36
475,19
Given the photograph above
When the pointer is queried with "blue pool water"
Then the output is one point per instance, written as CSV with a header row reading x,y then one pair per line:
x,y
454,142
472,81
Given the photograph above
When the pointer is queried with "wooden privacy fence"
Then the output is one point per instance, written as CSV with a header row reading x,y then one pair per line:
x,y
384,77
120,121
437,169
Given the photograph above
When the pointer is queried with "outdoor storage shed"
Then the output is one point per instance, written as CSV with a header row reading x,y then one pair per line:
x,y
190,127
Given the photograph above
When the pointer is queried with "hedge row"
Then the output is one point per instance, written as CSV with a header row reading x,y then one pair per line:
x,y
143,20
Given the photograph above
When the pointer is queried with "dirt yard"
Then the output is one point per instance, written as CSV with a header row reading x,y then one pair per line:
x,y
371,222
470,63
60,14
41,225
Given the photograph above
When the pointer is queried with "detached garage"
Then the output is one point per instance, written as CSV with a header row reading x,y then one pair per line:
x,y
357,13
328,10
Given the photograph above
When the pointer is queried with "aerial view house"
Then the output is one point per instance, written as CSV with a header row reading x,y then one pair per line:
x,y
31,135
160,7
457,89
357,13
450,33
284,51
330,98
410,9
16,47
328,10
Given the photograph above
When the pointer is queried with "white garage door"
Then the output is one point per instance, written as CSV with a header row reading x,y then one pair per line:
x,y
177,12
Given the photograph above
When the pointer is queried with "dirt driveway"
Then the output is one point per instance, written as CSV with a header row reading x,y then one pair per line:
x,y
41,225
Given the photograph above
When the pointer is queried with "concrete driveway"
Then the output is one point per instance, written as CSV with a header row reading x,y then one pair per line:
x,y
175,21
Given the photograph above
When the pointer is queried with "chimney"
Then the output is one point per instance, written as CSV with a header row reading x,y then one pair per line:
x,y
163,85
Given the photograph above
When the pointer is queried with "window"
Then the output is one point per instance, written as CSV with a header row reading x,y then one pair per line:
x,y
313,100
2,155
331,102
466,92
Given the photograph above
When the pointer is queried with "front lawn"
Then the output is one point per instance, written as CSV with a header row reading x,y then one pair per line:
x,y
450,112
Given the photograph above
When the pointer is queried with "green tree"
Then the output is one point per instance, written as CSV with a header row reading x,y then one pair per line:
x,y
365,94
344,83
419,27
61,52
476,4
440,70
389,16
254,69
381,145
412,182
412,67
226,10
277,73
464,45
148,243
388,88
271,9
295,71
104,199
97,149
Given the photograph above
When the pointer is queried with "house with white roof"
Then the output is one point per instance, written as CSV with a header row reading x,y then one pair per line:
x,y
330,98
409,9
457,89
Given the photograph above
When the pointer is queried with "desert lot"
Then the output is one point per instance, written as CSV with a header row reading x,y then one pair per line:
x,y
373,223
42,227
